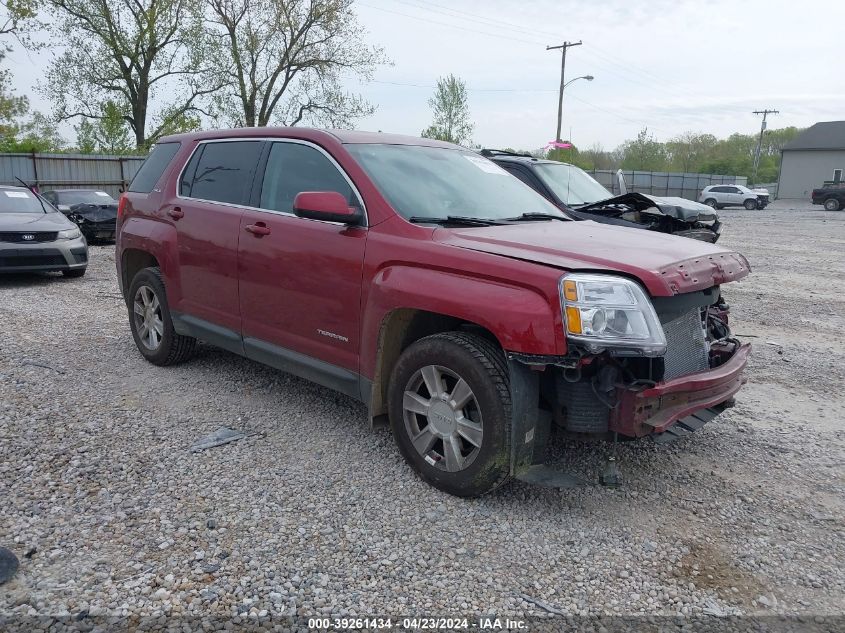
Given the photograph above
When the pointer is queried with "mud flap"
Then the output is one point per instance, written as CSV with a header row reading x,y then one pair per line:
x,y
525,398
530,432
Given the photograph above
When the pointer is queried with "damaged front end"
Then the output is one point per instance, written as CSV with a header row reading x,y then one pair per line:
x,y
665,396
95,221
677,216
636,367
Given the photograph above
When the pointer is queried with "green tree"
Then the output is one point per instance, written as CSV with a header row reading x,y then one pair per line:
x,y
109,134
128,52
284,61
687,151
450,107
18,18
20,129
644,153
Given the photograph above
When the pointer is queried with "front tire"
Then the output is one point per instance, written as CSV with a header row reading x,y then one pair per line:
x,y
750,204
151,323
450,411
832,204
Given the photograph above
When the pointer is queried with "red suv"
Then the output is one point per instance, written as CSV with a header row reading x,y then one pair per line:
x,y
425,281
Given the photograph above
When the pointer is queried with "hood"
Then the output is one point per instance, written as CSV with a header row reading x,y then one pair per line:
x,y
95,212
55,221
678,208
665,264
762,192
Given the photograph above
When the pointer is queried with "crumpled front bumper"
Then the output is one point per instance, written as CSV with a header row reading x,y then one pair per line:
x,y
654,409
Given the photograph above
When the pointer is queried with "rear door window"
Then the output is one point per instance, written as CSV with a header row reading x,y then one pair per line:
x,y
293,168
223,172
153,167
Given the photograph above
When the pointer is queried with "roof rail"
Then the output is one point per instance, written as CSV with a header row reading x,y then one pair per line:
x,y
503,152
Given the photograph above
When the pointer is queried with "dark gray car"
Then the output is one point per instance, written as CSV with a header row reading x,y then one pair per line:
x,y
35,237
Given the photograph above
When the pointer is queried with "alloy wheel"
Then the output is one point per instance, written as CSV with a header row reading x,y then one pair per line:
x,y
149,324
442,418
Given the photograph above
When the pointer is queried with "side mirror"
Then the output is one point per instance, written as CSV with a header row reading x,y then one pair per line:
x,y
329,206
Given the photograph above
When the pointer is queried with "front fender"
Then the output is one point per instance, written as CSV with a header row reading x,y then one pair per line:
x,y
522,319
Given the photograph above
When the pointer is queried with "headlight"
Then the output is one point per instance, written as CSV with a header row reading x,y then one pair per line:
x,y
69,234
606,312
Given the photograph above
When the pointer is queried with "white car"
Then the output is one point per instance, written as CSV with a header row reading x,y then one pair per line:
x,y
721,196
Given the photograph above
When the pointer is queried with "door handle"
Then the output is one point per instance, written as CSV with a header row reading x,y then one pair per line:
x,y
176,213
258,229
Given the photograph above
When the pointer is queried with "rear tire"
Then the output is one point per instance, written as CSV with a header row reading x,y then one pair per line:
x,y
151,324
450,411
710,202
832,204
750,204
74,274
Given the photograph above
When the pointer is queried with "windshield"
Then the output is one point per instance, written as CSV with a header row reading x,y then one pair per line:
x,y
20,201
71,198
436,182
572,185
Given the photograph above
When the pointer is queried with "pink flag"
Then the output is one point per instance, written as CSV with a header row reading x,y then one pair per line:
x,y
558,145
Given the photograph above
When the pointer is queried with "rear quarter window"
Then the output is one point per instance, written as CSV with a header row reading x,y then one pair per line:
x,y
152,169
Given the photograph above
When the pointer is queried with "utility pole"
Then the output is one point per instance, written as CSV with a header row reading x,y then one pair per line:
x,y
562,48
760,140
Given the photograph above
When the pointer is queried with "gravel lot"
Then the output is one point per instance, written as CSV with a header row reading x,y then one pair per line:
x,y
314,513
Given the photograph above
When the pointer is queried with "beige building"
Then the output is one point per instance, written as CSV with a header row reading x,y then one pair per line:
x,y
813,157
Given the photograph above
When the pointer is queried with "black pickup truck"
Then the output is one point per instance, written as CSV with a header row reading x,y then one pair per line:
x,y
831,195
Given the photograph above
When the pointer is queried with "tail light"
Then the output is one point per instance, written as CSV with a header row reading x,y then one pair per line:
x,y
121,206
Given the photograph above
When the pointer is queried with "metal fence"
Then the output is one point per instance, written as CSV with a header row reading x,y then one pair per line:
x,y
113,173
72,171
661,183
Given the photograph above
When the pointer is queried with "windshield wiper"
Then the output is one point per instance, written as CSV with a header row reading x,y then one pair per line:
x,y
540,216
34,193
455,219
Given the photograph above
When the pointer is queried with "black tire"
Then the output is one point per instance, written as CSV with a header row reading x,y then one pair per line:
x,y
482,365
711,202
750,204
74,274
832,204
173,348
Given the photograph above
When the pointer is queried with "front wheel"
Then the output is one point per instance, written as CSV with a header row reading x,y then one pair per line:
x,y
750,204
832,204
151,323
450,412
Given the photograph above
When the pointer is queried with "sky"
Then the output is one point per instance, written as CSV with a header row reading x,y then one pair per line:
x,y
669,65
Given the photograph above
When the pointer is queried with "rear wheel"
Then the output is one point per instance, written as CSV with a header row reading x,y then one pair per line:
x,y
710,202
832,204
450,411
151,324
750,204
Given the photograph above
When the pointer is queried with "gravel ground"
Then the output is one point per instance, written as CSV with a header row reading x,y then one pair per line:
x,y
314,513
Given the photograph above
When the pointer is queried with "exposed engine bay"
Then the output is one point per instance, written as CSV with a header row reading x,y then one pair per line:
x,y
678,216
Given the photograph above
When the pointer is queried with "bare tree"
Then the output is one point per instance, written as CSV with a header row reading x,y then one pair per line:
x,y
450,107
130,53
282,61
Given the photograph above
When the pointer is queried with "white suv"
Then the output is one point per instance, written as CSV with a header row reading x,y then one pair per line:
x,y
721,196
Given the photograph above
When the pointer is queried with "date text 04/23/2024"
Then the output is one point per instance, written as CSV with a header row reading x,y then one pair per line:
x,y
423,623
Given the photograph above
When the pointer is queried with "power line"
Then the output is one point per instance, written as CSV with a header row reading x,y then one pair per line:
x,y
563,48
765,113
